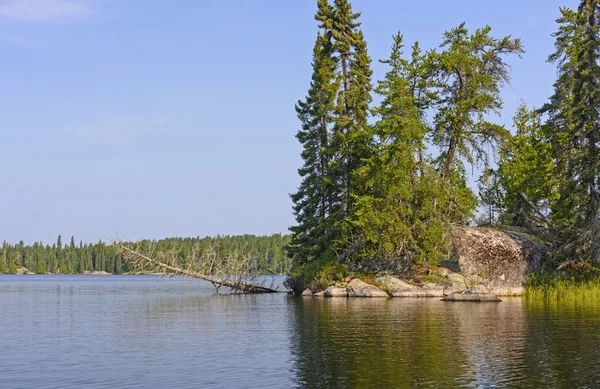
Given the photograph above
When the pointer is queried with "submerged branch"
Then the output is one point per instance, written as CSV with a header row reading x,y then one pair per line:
x,y
231,273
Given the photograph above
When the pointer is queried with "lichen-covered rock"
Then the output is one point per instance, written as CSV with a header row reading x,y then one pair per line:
x,y
336,292
358,288
418,293
474,294
497,258
395,283
307,292
457,281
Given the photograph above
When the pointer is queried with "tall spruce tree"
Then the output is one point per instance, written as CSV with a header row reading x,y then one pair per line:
x,y
574,115
313,202
351,135
335,132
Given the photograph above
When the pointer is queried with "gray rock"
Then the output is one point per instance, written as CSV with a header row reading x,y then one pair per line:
x,y
457,281
336,292
500,259
395,283
307,292
474,294
358,288
417,293
319,294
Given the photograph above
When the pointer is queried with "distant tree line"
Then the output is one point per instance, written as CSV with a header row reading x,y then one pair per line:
x,y
268,253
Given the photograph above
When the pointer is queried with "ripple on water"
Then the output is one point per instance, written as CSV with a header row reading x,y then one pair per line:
x,y
137,332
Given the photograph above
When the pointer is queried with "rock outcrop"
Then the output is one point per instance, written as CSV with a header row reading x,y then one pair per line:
x,y
358,288
307,292
474,294
394,283
497,259
336,292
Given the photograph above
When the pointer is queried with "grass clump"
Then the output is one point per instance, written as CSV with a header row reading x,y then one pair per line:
x,y
577,282
433,278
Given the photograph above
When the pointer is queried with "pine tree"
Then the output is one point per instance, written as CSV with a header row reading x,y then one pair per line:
x,y
470,71
574,115
313,201
351,130
335,132
526,165
385,210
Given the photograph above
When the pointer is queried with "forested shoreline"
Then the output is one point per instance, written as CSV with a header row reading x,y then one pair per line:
x,y
385,182
386,162
267,254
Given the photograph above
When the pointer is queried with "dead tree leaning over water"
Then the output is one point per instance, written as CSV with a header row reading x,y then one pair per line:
x,y
234,272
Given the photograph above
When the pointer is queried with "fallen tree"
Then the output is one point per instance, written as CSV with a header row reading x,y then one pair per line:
x,y
235,272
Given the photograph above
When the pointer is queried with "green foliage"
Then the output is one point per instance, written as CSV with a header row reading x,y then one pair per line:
x,y
267,252
573,124
433,278
526,165
315,276
469,72
313,202
12,266
374,191
335,133
399,214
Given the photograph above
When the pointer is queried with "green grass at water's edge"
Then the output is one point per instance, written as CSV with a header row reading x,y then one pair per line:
x,y
565,285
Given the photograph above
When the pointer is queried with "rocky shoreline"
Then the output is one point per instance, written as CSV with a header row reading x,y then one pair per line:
x,y
480,260
389,286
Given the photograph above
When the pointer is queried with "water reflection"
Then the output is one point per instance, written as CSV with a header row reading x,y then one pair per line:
x,y
128,332
363,343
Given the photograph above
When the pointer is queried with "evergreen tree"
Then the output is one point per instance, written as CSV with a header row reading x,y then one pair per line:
x,y
3,264
313,200
470,71
574,115
351,131
526,164
335,133
392,213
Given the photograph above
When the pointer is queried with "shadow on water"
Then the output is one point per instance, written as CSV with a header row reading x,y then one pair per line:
x,y
370,343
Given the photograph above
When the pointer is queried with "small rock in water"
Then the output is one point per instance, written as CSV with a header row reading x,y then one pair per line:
x,y
336,292
417,293
319,294
307,292
473,294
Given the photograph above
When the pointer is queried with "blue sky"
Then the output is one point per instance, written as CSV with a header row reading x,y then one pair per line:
x,y
176,118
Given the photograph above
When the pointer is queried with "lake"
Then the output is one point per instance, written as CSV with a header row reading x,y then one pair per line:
x,y
142,332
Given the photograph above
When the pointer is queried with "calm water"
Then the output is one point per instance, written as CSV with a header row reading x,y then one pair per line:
x,y
137,332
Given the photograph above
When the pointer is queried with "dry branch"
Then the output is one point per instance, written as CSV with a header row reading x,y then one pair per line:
x,y
233,273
